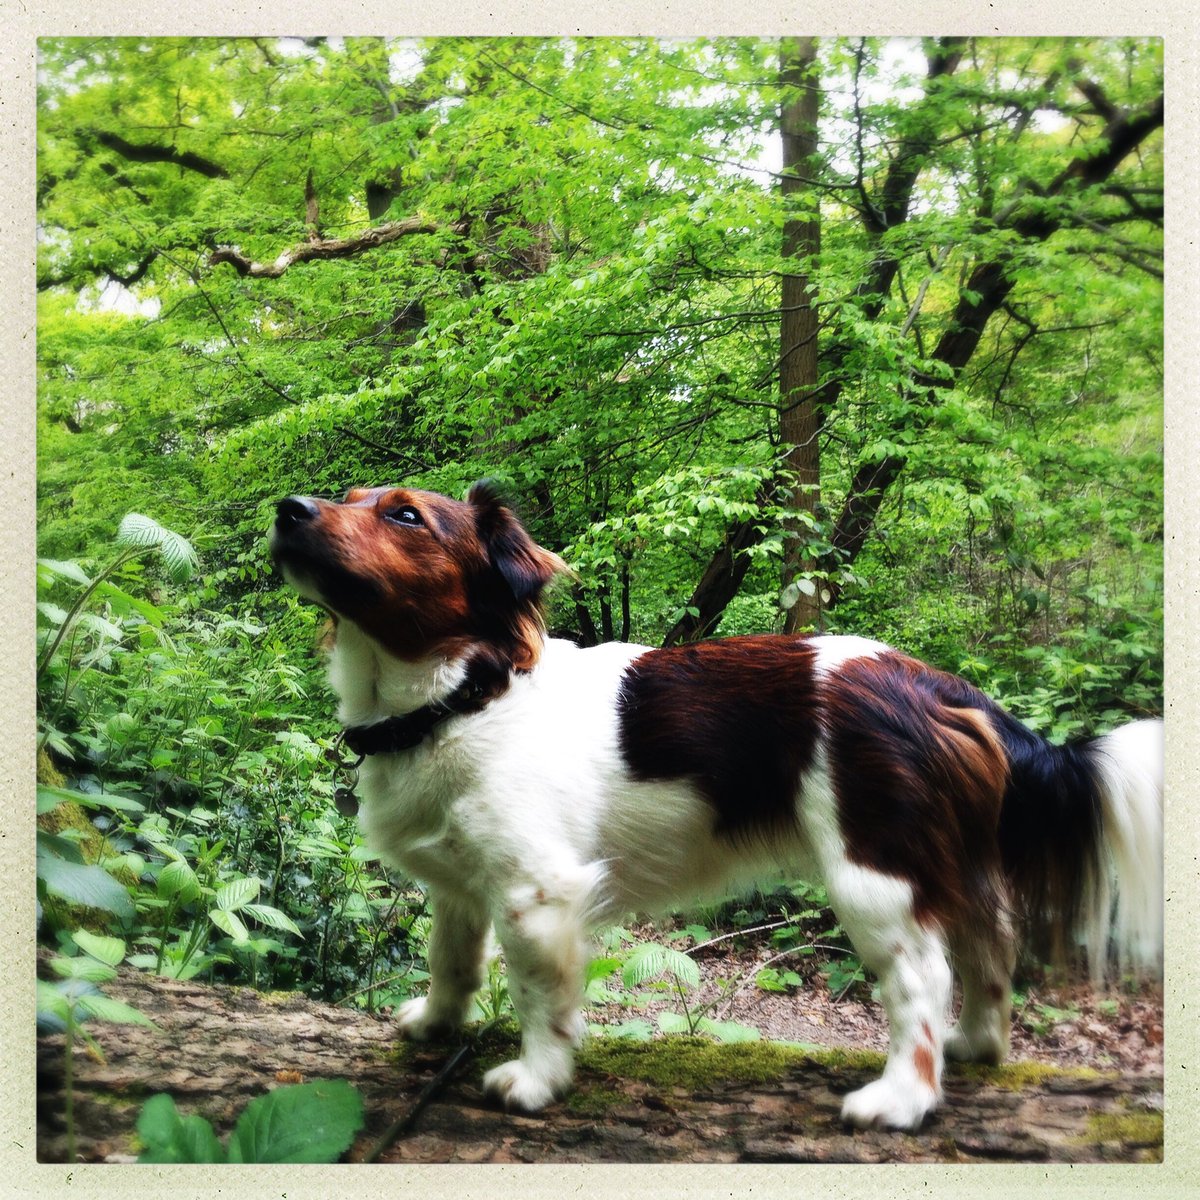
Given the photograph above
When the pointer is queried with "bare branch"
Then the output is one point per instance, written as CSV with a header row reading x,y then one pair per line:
x,y
323,248
167,154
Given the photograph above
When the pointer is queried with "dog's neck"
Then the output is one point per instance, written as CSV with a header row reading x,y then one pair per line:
x,y
372,684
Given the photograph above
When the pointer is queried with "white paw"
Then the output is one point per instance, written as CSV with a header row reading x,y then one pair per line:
x,y
519,1088
885,1105
420,1023
977,1046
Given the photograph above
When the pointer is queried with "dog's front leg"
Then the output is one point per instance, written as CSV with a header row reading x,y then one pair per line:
x,y
545,949
457,943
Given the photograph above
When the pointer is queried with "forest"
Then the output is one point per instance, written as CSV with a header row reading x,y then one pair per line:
x,y
856,335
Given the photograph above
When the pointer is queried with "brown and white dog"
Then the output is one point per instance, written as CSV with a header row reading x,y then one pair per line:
x,y
545,790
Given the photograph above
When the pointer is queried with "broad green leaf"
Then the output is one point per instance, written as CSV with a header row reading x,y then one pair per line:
x,y
178,881
105,1008
83,967
84,884
52,612
673,1022
729,1031
51,1001
177,554
59,846
68,570
170,1138
229,923
122,601
649,959
237,893
50,797
271,917
307,1122
108,950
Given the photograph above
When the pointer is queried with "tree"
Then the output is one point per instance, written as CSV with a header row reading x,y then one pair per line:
x,y
568,261
799,414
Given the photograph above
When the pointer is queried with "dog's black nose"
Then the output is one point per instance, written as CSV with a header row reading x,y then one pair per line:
x,y
296,509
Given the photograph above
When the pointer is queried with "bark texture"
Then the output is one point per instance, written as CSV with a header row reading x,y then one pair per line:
x,y
215,1048
799,416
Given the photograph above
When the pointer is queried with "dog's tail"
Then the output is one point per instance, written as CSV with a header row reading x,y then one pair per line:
x,y
1082,844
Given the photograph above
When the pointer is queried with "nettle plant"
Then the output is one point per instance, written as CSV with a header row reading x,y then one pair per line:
x,y
194,814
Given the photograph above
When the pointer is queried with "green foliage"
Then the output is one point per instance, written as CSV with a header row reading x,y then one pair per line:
x,y
771,979
300,1123
219,849
648,969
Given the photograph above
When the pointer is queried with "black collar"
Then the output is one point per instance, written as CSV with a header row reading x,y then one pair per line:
x,y
395,734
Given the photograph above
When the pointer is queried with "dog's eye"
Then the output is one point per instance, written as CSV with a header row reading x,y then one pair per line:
x,y
404,515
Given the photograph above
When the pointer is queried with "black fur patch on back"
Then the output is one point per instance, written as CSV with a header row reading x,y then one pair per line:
x,y
735,717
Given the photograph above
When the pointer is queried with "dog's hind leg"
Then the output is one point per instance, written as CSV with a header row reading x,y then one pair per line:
x,y
543,930
984,960
456,956
876,910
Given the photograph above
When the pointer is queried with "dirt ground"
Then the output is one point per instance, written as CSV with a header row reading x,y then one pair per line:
x,y
213,1048
1059,1022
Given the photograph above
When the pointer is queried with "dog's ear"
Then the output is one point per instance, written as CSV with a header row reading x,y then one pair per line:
x,y
524,565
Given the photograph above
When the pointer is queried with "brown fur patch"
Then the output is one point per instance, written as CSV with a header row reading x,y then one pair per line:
x,y
923,1061
920,774
737,717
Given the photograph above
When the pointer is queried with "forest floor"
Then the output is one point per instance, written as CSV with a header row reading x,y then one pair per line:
x,y
1065,1023
1084,1082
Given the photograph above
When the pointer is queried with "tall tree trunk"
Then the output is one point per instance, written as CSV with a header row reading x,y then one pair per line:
x,y
799,414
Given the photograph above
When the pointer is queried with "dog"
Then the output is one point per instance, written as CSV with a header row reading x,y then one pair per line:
x,y
545,790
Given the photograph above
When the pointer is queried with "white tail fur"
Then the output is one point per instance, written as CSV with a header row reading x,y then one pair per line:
x,y
1128,765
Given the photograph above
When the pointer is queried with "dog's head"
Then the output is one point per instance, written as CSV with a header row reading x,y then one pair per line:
x,y
422,574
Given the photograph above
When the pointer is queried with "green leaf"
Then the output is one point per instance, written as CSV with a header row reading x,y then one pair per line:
x,y
229,923
137,530
177,881
83,968
729,1031
84,884
673,1022
122,601
109,950
50,797
170,1138
237,893
68,570
105,1008
271,917
51,1001
306,1122
59,847
649,959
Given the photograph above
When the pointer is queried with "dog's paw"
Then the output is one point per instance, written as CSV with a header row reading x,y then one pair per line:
x,y
976,1047
420,1023
520,1089
885,1105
